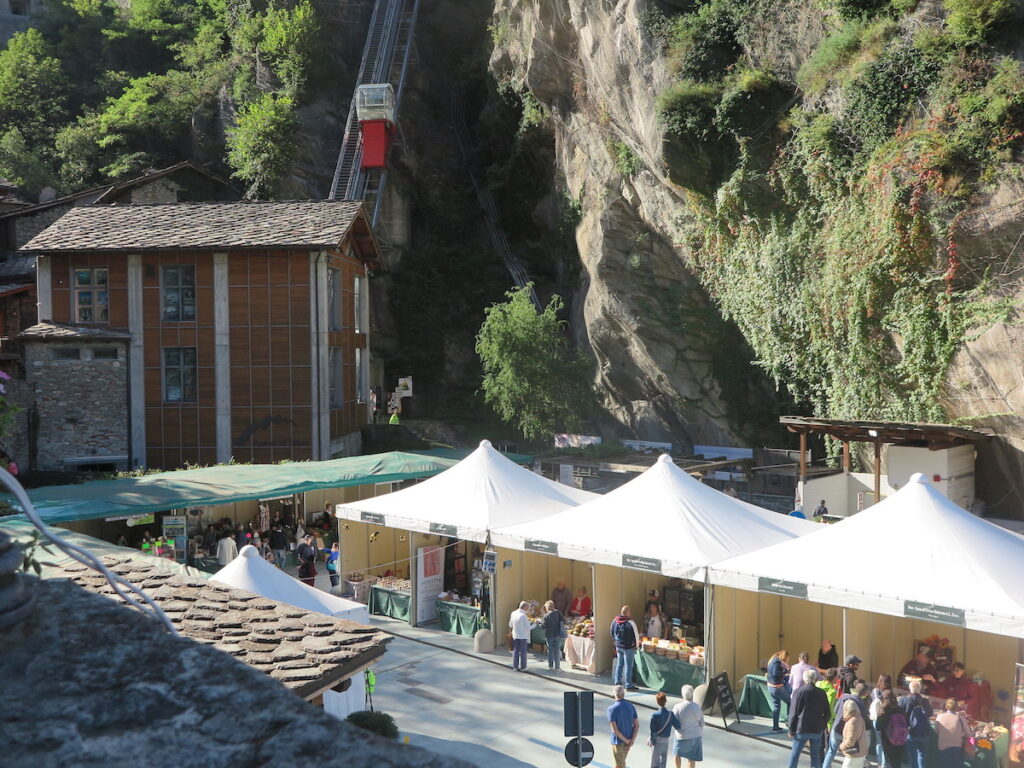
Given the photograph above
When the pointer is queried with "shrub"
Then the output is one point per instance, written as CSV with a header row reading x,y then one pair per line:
x,y
626,162
751,105
687,108
857,41
263,142
973,21
704,43
380,723
855,9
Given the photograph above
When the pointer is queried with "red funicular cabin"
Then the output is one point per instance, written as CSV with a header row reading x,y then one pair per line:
x,y
375,108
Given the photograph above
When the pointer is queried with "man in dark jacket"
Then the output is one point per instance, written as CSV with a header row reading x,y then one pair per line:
x,y
626,637
859,695
279,545
918,710
808,718
848,674
306,555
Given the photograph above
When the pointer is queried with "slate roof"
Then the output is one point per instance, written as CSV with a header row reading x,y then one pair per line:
x,y
192,226
18,269
47,331
308,652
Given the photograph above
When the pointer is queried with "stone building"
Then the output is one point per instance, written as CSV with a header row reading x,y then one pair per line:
x,y
246,327
16,16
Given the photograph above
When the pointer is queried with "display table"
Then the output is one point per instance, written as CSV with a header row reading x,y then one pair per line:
x,y
755,699
660,673
386,602
579,651
458,618
982,758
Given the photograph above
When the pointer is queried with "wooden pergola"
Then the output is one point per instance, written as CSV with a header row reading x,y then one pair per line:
x,y
935,437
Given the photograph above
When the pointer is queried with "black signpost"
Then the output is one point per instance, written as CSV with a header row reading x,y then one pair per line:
x,y
726,702
578,715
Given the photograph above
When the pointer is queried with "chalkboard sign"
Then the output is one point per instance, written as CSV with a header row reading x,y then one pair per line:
x,y
726,702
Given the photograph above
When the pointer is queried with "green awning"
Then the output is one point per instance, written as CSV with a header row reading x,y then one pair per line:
x,y
223,484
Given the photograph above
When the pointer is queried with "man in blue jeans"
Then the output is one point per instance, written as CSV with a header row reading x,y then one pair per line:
x,y
625,636
918,711
859,695
808,719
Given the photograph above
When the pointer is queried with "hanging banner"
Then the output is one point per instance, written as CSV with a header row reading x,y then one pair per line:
x,y
429,582
930,612
536,545
1016,755
641,563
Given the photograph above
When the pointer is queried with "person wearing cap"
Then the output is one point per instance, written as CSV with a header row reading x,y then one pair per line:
x,y
848,673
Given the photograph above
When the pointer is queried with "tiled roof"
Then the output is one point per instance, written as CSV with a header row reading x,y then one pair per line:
x,y
183,226
18,267
58,332
308,652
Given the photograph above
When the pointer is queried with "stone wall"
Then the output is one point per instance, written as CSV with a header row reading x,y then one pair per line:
x,y
31,224
82,404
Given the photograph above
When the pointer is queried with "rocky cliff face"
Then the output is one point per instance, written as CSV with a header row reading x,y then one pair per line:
x,y
668,367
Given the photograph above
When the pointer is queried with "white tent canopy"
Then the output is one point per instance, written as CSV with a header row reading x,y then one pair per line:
x,y
251,572
482,492
949,566
664,521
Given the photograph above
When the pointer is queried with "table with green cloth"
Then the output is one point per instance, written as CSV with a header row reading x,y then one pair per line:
x,y
537,636
387,602
982,758
756,700
661,673
458,618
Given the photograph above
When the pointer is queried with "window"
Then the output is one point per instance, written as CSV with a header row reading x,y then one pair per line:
x,y
357,302
19,7
361,375
336,374
90,295
104,353
67,353
178,294
180,375
334,298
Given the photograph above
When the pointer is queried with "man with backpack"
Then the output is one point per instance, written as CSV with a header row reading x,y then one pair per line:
x,y
625,636
918,711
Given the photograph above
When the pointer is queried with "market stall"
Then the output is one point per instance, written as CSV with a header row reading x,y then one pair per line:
x,y
657,533
666,666
454,513
392,597
796,596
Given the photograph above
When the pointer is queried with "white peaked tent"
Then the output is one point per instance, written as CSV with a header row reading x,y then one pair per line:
x,y
946,566
251,572
484,491
664,520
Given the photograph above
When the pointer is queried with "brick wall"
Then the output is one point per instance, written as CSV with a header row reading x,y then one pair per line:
x,y
82,404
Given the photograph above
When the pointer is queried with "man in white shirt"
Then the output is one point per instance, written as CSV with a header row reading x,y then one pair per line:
x,y
519,623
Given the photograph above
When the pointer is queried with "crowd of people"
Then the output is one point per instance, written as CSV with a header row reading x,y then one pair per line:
x,y
835,713
558,610
679,730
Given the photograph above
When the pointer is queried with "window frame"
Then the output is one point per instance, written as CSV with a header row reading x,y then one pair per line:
x,y
362,388
180,366
358,297
180,288
335,378
91,288
334,313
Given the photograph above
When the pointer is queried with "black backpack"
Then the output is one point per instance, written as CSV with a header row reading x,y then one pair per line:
x,y
624,635
920,723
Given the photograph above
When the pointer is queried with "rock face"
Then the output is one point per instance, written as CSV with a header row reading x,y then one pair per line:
x,y
669,368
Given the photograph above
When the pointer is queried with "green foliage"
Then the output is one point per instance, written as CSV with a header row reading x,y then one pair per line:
x,y
972,22
288,42
531,377
21,166
534,113
30,561
856,9
705,43
657,25
626,162
32,88
688,109
752,103
263,142
844,52
380,723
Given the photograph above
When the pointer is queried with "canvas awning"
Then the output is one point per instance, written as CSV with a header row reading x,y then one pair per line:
x,y
948,566
482,492
664,521
223,484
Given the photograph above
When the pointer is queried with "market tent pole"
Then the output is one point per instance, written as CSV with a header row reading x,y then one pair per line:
x,y
709,633
846,456
878,471
845,649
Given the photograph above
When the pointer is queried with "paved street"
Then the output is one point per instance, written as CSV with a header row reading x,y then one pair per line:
x,y
473,706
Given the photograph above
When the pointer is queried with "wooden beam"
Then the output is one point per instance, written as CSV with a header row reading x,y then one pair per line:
x,y
803,456
846,456
878,471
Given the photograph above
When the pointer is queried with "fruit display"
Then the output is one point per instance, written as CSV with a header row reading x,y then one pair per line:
x,y
395,584
583,627
673,650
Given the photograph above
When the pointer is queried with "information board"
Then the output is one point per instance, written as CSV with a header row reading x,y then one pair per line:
x,y
429,582
722,689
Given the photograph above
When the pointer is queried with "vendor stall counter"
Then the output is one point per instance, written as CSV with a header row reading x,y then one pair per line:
x,y
579,652
458,618
389,602
663,674
755,699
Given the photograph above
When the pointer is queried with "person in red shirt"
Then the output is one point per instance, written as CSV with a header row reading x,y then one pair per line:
x,y
580,604
959,686
920,666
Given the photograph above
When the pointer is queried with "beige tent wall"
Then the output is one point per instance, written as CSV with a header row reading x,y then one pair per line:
x,y
507,588
801,628
607,599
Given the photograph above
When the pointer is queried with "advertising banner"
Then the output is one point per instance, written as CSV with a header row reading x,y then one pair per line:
x,y
429,582
1016,755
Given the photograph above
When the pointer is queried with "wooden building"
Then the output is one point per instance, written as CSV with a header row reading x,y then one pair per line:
x,y
247,323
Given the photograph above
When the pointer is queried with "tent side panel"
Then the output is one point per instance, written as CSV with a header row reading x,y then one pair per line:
x,y
354,551
723,634
632,594
801,628
583,576
607,599
831,627
858,637
508,589
769,627
994,657
746,622
535,582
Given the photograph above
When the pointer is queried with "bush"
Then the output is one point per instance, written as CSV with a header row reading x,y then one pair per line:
x,y
380,723
858,40
973,21
687,108
626,162
856,9
704,44
263,142
752,103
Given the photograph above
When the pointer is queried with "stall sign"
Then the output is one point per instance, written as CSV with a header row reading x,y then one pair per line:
x,y
372,517
641,563
940,613
445,530
780,587
429,582
490,561
722,690
536,545
131,522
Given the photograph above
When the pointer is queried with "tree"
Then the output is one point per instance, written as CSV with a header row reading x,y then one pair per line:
x,y
531,376
32,88
263,142
22,166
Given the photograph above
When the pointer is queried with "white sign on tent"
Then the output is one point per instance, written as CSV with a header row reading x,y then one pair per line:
x,y
429,582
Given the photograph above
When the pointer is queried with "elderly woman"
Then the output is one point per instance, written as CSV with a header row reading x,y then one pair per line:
x,y
856,738
953,732
580,604
689,729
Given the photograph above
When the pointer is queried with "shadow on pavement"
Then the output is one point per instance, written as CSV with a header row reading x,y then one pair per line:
x,y
471,753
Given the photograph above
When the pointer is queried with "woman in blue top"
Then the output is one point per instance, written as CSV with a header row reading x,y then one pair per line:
x,y
778,685
333,558
662,723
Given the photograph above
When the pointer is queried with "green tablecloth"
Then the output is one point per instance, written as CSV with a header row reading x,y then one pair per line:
x,y
537,636
668,675
755,699
385,602
982,758
458,618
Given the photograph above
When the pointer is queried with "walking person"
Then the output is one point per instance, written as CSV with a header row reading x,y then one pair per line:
x,y
918,711
892,730
855,741
519,623
883,684
306,554
554,627
953,733
332,563
808,718
624,725
662,723
778,685
279,544
858,696
625,637
689,736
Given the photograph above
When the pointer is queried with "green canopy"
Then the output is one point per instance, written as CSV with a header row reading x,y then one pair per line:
x,y
223,484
